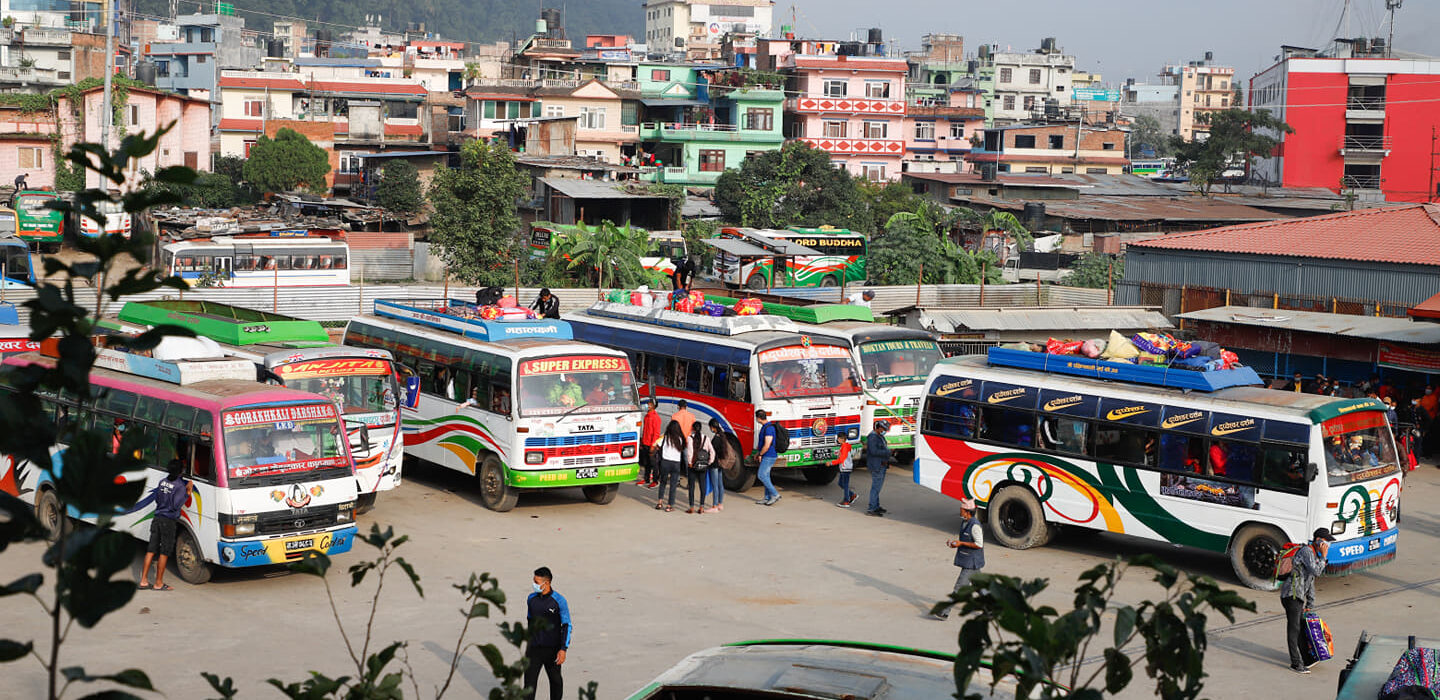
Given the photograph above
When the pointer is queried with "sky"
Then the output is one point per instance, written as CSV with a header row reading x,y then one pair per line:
x,y
1124,38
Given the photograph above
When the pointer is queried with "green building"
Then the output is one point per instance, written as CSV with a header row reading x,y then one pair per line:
x,y
693,130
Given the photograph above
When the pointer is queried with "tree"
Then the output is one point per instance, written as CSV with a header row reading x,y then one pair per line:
x,y
233,167
1234,133
399,189
475,226
1037,646
796,185
997,220
612,251
1147,132
885,200
913,238
1096,271
287,162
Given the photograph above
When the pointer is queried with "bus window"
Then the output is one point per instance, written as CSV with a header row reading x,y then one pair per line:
x,y
1064,434
1233,460
1283,467
1007,426
949,418
707,379
339,262
740,384
1358,447
202,458
1182,453
675,377
1125,444
118,402
692,376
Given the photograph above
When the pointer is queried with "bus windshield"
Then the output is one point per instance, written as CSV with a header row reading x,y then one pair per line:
x,y
17,261
581,384
1358,447
359,385
898,362
34,204
283,444
796,371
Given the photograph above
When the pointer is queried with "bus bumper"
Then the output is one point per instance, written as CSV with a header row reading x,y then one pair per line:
x,y
283,550
1348,556
812,457
575,476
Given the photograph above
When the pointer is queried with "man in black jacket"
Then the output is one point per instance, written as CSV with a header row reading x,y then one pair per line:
x,y
548,616
546,305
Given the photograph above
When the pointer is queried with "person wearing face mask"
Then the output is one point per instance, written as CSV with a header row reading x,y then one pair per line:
x,y
548,617
1297,593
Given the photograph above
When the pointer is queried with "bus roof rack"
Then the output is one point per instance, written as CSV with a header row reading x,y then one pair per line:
x,y
1124,372
223,323
172,371
813,314
447,315
715,325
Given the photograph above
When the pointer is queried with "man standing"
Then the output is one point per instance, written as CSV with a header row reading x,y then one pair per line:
x,y
649,435
549,619
683,416
861,298
768,455
1297,593
170,496
877,460
969,549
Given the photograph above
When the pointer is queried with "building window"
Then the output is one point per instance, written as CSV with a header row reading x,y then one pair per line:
x,y
836,129
1009,103
1036,169
712,161
62,55
63,75
1096,171
1057,141
924,131
877,130
134,115
1107,146
1024,141
592,118
877,89
660,74
349,163
554,110
248,146
875,172
1005,75
31,157
201,58
254,108
957,130
836,88
1029,102
760,119
1034,76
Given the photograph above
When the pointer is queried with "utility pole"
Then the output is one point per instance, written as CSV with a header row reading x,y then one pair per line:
x,y
107,111
1392,6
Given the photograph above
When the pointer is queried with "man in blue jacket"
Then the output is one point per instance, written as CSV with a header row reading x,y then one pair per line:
x,y
170,496
548,616
877,460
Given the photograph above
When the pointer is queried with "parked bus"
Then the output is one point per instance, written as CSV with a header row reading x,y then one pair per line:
x,y
1203,459
518,404
362,382
275,484
39,224
117,220
15,261
727,367
260,262
841,259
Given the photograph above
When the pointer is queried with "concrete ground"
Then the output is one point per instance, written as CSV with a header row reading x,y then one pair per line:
x,y
647,588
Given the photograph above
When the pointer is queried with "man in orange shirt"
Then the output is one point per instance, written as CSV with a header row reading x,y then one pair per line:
x,y
683,416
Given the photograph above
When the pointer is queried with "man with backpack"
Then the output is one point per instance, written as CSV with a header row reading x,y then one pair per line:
x,y
773,440
1298,569
877,460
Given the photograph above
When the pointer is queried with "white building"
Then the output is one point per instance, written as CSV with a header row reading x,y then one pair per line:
x,y
696,27
1021,83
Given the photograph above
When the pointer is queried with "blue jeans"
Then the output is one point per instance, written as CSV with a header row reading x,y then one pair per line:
x,y
877,482
845,492
717,486
766,464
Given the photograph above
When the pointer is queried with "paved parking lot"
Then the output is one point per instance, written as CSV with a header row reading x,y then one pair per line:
x,y
647,588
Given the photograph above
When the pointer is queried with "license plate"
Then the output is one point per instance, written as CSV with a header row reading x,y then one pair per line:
x,y
296,545
587,473
823,453
1374,545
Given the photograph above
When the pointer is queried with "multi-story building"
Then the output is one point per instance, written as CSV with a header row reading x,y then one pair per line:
x,y
35,58
207,44
696,28
852,106
1202,89
1019,84
720,133
608,126
939,63
1052,149
1157,101
938,136
1364,120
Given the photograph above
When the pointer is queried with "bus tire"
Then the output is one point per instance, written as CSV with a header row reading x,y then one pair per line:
x,y
494,492
820,476
829,281
601,494
1017,520
51,515
739,479
365,503
1254,551
189,560
757,282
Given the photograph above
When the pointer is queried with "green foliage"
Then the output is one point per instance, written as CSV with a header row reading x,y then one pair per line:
x,y
1148,132
287,162
913,239
1035,644
399,188
208,190
794,186
1096,271
997,220
1233,133
695,233
475,226
885,200
676,195
612,251
233,168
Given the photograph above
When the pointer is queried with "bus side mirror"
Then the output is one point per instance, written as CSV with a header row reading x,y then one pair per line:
x,y
1311,471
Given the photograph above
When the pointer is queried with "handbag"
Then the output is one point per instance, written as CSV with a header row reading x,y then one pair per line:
x,y
1319,642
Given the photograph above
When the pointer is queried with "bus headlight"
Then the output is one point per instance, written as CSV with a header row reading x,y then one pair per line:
x,y
1337,527
346,513
852,434
240,526
534,457
627,451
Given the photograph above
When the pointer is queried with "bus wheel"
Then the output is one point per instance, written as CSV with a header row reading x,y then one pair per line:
x,y
494,492
820,476
740,478
51,515
1254,551
1017,520
189,561
365,503
601,494
829,281
756,282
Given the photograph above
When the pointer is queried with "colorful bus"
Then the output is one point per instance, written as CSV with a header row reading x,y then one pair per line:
x,y
727,367
520,405
117,221
362,382
1204,459
38,223
841,259
229,261
272,478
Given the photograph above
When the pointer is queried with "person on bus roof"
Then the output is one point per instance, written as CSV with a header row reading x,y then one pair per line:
x,y
547,305
862,298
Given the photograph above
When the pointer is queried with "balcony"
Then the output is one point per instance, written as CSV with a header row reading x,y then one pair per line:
x,y
677,175
857,146
1354,146
1364,109
1361,182
712,133
846,105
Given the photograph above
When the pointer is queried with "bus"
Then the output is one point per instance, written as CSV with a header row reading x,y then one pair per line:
x,y
271,474
1208,460
296,353
117,221
841,259
38,223
728,367
230,261
520,405
16,265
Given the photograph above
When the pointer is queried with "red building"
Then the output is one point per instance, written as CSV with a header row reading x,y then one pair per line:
x,y
1364,120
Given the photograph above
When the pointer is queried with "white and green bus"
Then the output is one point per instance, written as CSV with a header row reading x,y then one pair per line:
x,y
1203,459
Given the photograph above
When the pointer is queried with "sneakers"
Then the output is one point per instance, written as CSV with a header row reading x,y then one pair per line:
x,y
844,504
652,484
1300,669
940,616
876,513
768,501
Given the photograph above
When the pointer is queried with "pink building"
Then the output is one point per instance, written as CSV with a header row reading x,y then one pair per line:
x,y
938,135
851,106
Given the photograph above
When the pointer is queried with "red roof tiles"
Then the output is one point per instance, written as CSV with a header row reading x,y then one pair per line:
x,y
255,125
371,88
261,83
1407,234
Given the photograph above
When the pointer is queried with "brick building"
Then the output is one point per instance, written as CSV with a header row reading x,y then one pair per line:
x,y
1052,149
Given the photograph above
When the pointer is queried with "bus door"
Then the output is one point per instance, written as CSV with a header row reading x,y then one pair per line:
x,y
223,267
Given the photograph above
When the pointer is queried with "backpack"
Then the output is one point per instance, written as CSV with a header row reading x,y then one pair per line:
x,y
704,453
782,439
1286,563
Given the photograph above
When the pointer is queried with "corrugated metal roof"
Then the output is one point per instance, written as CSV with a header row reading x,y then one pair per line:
x,y
1120,208
1076,318
1406,234
591,189
1351,325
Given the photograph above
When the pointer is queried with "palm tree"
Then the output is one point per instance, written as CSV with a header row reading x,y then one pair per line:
x,y
996,220
613,251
